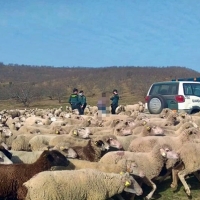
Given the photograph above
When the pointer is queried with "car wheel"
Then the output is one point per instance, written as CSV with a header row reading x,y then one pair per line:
x,y
156,104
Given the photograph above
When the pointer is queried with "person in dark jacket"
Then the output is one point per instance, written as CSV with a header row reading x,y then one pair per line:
x,y
114,99
75,101
82,99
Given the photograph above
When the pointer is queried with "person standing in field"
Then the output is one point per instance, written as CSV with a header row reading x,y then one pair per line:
x,y
74,101
102,105
114,99
83,101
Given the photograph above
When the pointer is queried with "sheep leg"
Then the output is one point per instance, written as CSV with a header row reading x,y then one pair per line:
x,y
153,185
174,183
181,176
175,171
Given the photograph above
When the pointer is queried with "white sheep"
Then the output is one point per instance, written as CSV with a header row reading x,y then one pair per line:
x,y
31,156
40,142
21,142
135,107
85,184
146,144
121,166
190,163
151,163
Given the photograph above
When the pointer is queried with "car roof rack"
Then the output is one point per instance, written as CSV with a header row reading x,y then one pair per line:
x,y
197,79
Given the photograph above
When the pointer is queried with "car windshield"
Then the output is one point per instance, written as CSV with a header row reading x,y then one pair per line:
x,y
164,89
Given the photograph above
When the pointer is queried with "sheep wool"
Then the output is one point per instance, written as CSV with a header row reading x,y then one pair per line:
x,y
85,184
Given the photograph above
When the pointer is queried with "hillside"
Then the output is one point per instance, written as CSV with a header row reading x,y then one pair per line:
x,y
46,85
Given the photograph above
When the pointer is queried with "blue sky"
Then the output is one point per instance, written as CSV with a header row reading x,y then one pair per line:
x,y
101,33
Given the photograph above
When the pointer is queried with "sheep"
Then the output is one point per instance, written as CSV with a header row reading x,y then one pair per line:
x,y
69,141
171,120
190,163
109,139
40,142
14,175
125,141
82,132
90,183
150,162
32,156
135,107
33,120
122,166
92,151
179,130
5,132
118,130
6,135
146,144
14,113
165,113
21,142
148,129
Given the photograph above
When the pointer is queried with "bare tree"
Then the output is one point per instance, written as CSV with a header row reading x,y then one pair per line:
x,y
24,93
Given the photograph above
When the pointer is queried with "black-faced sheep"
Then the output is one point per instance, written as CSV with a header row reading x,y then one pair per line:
x,y
14,175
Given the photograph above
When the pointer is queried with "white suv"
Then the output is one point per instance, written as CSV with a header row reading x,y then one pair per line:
x,y
179,94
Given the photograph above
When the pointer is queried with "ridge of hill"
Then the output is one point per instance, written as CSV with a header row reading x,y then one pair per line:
x,y
49,83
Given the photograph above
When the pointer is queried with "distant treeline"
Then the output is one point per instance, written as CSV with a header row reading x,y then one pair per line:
x,y
27,83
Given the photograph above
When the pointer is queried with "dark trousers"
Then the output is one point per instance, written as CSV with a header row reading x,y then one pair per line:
x,y
75,106
113,108
83,108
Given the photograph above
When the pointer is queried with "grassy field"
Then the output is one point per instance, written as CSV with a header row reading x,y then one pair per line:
x,y
126,98
164,192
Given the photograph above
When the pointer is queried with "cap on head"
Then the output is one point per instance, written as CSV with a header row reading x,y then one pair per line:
x,y
75,90
114,90
81,91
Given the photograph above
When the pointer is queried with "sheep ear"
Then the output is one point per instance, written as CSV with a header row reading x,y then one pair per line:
x,y
163,153
148,128
130,190
75,132
127,183
62,148
89,119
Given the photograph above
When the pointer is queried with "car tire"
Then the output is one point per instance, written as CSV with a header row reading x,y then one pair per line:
x,y
156,104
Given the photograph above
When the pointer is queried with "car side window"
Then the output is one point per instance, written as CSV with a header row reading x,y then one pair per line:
x,y
187,89
196,89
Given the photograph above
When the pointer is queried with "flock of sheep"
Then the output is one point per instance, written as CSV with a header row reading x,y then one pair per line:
x,y
58,154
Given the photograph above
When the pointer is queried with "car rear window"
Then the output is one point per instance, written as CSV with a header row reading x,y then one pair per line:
x,y
164,89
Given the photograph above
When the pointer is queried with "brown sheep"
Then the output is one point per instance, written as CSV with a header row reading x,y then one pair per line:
x,y
91,152
14,175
